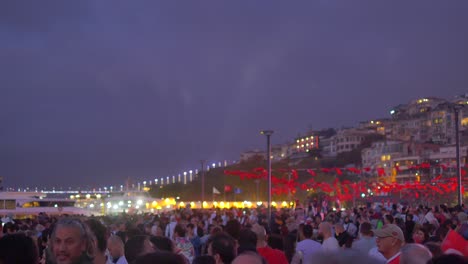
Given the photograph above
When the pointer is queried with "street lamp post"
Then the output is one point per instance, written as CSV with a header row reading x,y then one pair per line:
x,y
202,181
456,109
268,134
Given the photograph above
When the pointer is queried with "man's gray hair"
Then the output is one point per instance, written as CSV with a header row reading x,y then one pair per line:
x,y
415,254
85,234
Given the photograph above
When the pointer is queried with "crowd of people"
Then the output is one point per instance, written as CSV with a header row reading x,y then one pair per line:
x,y
370,234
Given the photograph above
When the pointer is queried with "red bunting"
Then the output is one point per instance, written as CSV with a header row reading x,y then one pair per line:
x,y
341,189
381,172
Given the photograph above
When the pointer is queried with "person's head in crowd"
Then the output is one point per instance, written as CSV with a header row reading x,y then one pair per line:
x,y
138,246
233,228
122,235
318,220
462,218
100,233
448,224
449,259
339,228
160,257
156,230
131,232
18,249
72,241
249,257
434,248
162,243
216,230
247,241
365,230
191,230
420,234
115,246
440,234
194,220
9,228
276,241
388,219
300,234
390,239
204,260
222,247
415,254
179,231
409,217
308,231
325,230
147,228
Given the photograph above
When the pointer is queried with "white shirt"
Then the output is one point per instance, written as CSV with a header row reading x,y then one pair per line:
x,y
121,260
364,244
308,247
330,244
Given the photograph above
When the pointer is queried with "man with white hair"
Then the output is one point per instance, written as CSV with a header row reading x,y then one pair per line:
x,y
72,242
415,254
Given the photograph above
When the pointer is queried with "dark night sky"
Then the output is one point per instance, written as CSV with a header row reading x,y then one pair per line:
x,y
92,92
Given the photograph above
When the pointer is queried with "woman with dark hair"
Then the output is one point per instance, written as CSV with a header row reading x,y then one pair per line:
x,y
420,234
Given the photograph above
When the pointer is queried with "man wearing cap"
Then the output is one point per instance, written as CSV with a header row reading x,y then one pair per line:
x,y
390,239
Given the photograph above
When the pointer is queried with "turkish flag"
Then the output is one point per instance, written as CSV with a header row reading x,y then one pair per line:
x,y
454,242
227,188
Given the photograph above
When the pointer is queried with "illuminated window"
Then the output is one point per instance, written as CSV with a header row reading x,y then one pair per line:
x,y
464,121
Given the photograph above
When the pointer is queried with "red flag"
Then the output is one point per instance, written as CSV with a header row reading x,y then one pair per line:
x,y
294,174
312,172
381,172
454,242
227,188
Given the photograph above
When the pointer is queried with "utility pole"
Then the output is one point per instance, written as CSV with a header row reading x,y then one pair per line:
x,y
203,181
268,134
456,109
